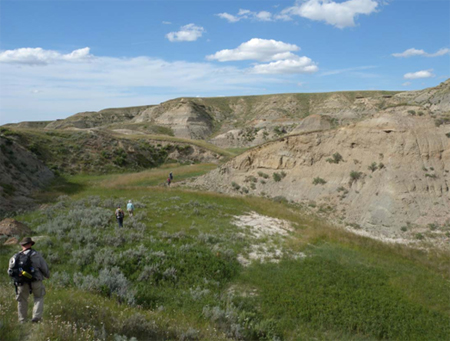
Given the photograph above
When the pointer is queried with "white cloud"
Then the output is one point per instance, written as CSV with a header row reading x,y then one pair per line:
x,y
406,84
341,14
419,74
283,61
167,23
229,17
39,56
189,32
415,52
287,66
247,14
257,49
264,16
52,90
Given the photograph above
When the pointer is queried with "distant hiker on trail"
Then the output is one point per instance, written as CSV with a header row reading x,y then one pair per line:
x,y
28,269
171,176
130,208
169,180
119,216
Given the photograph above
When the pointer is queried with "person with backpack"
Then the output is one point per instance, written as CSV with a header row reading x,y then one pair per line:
x,y
28,269
130,208
119,216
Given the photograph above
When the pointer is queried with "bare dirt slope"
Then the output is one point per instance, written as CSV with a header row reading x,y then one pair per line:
x,y
394,172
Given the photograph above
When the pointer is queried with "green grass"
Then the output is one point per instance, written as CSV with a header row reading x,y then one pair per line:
x,y
177,260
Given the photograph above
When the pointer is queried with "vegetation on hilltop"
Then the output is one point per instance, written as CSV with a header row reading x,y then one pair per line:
x,y
71,152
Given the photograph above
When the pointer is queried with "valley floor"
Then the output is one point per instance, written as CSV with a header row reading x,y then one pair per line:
x,y
192,265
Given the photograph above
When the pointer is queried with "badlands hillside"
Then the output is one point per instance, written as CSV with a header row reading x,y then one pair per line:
x,y
386,174
377,160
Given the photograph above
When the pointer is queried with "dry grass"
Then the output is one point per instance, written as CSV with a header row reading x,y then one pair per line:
x,y
158,176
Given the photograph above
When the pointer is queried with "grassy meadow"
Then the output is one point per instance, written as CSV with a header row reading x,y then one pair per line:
x,y
182,269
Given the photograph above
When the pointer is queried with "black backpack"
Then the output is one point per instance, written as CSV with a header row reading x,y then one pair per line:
x,y
22,270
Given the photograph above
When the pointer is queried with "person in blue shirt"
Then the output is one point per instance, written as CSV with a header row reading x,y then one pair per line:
x,y
130,208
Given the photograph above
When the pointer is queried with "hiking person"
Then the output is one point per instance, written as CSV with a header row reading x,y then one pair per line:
x,y
119,216
130,208
171,176
169,181
28,269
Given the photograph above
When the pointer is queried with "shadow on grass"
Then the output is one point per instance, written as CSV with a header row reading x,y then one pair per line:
x,y
59,186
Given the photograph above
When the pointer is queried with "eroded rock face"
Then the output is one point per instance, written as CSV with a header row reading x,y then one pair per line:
x,y
394,171
187,119
12,227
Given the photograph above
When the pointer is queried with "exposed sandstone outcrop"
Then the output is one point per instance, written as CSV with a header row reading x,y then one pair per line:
x,y
394,172
187,119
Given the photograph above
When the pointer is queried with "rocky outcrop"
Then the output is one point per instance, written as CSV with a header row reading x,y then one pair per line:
x,y
12,227
383,173
186,118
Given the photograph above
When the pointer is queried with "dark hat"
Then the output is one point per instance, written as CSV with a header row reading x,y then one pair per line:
x,y
26,240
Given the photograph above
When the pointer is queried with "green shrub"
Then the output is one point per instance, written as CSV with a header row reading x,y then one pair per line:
x,y
354,175
235,185
373,167
336,158
419,236
404,228
433,226
412,112
276,177
319,181
8,189
263,175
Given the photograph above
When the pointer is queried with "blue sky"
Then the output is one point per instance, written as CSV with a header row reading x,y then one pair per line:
x,y
58,58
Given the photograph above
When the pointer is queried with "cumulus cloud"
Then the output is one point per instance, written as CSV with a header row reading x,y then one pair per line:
x,y
415,52
28,92
287,66
190,32
244,14
39,56
419,74
256,49
279,54
341,14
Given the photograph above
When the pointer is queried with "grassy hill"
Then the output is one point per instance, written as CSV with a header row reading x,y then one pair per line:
x,y
189,266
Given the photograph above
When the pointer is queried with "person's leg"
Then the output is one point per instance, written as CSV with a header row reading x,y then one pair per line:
x,y
38,293
120,222
22,301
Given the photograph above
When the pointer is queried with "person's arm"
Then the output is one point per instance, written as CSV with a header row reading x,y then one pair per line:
x,y
43,267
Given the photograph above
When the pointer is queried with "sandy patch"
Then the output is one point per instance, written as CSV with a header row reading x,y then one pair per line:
x,y
257,227
379,237
262,225
128,132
